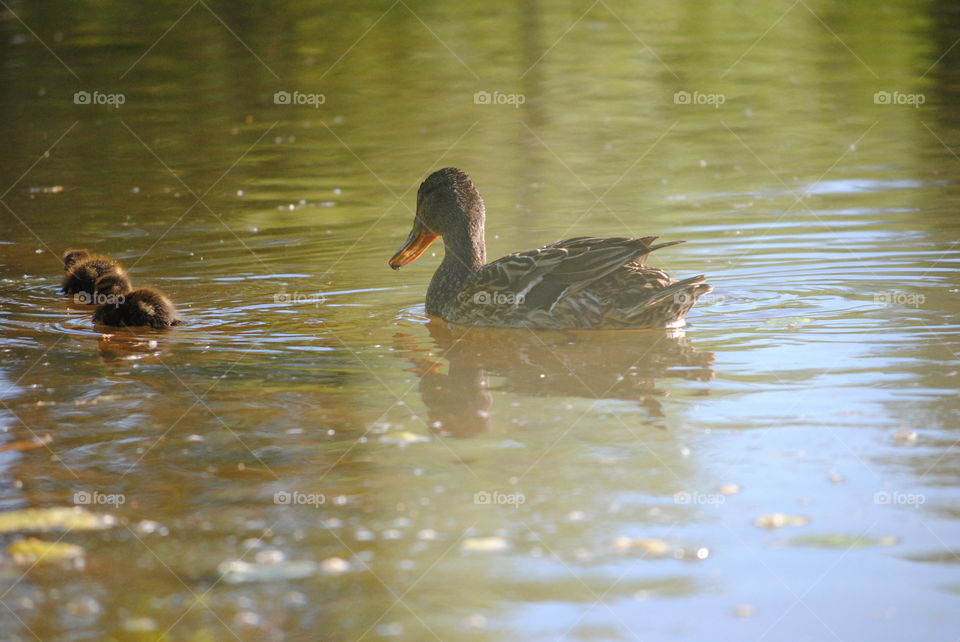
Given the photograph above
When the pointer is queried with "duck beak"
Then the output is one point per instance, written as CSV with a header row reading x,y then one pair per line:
x,y
416,244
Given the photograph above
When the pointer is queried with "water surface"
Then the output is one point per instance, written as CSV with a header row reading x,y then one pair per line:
x,y
625,471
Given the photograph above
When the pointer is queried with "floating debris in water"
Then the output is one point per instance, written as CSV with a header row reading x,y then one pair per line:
x,y
427,535
779,520
391,629
363,535
649,545
139,625
403,438
494,544
30,551
744,610
473,622
148,527
729,489
27,444
53,189
270,556
238,571
334,566
787,322
246,618
905,436
44,520
840,540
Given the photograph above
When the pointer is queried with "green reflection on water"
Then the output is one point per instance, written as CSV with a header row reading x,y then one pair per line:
x,y
799,195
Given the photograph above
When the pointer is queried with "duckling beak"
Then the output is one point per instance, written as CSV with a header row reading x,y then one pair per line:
x,y
416,244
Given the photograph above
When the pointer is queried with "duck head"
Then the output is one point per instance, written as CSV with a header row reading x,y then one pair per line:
x,y
448,206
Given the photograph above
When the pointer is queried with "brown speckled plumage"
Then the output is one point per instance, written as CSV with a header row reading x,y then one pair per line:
x,y
581,282
82,272
71,257
140,307
112,283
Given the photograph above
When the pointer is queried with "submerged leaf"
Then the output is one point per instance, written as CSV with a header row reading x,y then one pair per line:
x,y
840,540
26,552
650,545
484,544
26,444
61,518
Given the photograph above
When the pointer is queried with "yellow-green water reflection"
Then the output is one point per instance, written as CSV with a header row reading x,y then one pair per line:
x,y
819,380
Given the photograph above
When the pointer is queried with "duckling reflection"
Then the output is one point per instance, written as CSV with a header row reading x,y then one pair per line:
x,y
621,365
124,346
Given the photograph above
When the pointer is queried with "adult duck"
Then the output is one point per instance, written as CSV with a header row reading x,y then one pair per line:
x,y
581,282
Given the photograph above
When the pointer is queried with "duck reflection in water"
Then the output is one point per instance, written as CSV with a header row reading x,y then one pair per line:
x,y
621,365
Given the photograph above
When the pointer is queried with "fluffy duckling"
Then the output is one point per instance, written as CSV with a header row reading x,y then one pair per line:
x,y
111,284
83,269
72,257
140,307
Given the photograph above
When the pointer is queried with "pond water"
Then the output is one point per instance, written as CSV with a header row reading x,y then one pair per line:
x,y
311,457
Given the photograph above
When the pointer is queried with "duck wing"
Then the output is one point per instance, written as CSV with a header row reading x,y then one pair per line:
x,y
536,280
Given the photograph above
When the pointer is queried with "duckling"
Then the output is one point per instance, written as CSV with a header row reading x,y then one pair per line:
x,y
72,257
140,307
111,284
82,272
